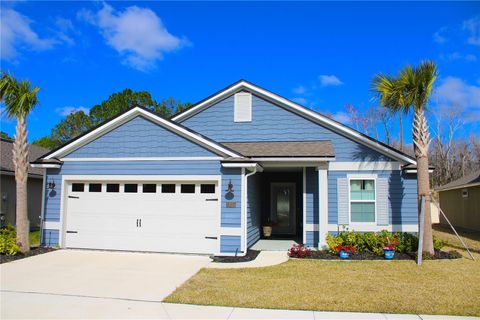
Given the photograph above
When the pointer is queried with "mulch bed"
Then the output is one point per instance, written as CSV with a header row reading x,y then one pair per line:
x,y
18,256
326,255
250,256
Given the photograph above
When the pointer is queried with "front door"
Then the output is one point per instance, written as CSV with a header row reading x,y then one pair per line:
x,y
283,208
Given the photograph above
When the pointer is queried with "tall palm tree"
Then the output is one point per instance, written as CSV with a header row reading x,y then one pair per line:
x,y
391,97
411,89
19,99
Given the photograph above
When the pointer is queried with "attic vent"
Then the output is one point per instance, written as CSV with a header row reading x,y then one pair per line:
x,y
243,107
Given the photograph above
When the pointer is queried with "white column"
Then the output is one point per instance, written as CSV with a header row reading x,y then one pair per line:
x,y
304,206
323,204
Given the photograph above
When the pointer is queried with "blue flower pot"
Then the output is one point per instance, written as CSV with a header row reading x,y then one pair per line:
x,y
344,254
388,254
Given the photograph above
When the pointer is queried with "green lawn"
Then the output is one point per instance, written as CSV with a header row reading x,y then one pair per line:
x,y
34,238
437,287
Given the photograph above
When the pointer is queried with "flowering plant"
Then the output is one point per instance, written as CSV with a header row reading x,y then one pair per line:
x,y
391,243
299,251
350,248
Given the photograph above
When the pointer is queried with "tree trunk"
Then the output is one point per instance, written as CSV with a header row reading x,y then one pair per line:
x,y
421,141
401,131
20,159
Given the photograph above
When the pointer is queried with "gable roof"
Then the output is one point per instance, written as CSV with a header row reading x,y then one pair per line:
x,y
283,148
6,157
127,116
466,181
298,109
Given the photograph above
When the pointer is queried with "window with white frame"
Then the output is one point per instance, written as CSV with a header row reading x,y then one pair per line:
x,y
362,200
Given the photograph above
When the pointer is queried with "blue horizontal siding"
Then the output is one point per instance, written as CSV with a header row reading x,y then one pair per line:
x,y
273,123
402,195
230,244
50,238
312,200
312,238
140,137
253,210
231,217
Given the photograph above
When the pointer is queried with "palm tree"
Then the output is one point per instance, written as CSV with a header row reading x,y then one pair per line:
x,y
19,99
411,89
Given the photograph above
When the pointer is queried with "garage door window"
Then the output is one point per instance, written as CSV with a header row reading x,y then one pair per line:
x,y
207,188
113,187
95,187
149,188
78,187
168,188
131,188
188,188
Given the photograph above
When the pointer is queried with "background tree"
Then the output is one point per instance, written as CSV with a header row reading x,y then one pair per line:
x,y
5,135
19,99
412,89
77,123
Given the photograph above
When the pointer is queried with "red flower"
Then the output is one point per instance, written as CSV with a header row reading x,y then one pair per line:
x,y
299,251
350,248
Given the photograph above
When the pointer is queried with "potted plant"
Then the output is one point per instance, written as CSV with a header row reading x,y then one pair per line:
x,y
389,247
344,250
267,228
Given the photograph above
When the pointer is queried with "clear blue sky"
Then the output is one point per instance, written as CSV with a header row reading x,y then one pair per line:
x,y
320,54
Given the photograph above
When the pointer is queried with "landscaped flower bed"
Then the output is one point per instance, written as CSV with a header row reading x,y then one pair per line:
x,y
350,245
250,256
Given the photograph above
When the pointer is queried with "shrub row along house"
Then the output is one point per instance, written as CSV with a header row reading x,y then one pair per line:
x,y
209,178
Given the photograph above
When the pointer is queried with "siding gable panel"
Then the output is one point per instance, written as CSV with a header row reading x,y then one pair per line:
x,y
273,123
140,137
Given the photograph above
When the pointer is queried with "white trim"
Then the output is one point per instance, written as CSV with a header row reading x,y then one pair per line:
x,y
311,227
338,127
42,209
371,177
242,106
304,204
365,166
141,159
243,165
460,187
293,159
323,206
45,165
375,228
290,164
52,225
231,231
130,115
415,170
243,215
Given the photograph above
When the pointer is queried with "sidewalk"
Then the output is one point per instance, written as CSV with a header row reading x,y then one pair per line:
x,y
29,305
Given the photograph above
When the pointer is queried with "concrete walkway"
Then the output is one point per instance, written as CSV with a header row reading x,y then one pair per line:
x,y
264,259
59,306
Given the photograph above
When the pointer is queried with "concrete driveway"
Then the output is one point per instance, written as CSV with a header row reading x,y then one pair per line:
x,y
42,282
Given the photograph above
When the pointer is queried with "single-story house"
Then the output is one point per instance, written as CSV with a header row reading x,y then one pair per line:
x,y
208,179
460,201
8,186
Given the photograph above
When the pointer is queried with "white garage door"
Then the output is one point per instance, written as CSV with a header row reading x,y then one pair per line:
x,y
164,216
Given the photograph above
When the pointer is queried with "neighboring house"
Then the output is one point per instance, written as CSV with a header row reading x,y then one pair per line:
x,y
8,185
460,201
209,178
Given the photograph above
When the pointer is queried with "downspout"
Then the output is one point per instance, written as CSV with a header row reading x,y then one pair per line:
x,y
244,205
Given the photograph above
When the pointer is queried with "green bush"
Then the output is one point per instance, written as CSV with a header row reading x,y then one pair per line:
x,y
8,241
454,254
372,242
438,244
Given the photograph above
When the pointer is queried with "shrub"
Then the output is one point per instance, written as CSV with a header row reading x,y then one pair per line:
x,y
8,241
299,251
407,243
454,254
333,241
438,244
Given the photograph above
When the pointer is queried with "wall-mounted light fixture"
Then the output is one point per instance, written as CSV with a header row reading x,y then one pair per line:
x,y
51,185
229,187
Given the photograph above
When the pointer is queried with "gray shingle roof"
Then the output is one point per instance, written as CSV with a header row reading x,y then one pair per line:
x,y
6,158
283,148
468,179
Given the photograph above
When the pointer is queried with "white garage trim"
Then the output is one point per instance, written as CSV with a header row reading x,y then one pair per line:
x,y
68,179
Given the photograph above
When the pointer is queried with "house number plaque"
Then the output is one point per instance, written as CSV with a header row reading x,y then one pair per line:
x,y
231,204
